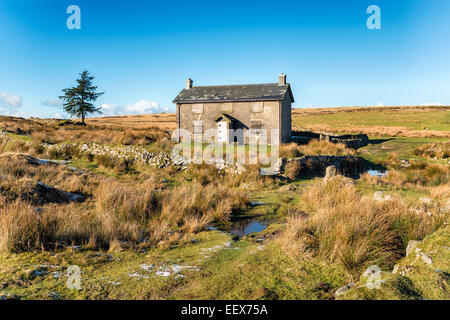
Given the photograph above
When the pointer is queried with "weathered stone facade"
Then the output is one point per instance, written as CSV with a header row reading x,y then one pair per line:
x,y
250,108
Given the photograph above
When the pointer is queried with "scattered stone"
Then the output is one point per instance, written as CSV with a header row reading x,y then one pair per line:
x,y
348,181
288,187
330,172
402,270
379,196
404,163
137,276
344,289
51,194
446,209
349,166
53,295
425,258
411,246
163,273
8,296
396,268
42,271
146,267
426,201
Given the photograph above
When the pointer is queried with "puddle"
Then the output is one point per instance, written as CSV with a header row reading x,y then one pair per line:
x,y
243,227
377,173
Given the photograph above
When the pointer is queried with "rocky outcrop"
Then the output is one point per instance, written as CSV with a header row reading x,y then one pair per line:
x,y
354,141
350,166
380,196
329,173
412,244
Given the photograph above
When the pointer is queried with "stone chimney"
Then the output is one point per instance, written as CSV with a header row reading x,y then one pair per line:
x,y
281,79
189,83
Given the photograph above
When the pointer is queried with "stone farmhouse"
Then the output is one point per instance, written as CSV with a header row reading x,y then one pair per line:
x,y
246,109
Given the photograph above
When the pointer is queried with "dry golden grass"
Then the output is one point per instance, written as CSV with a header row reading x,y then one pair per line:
x,y
293,169
440,150
163,121
289,150
378,131
114,214
98,130
405,121
420,175
334,110
314,147
351,229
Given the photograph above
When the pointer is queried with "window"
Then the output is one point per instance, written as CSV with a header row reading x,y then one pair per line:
x,y
226,107
256,124
257,107
198,127
197,108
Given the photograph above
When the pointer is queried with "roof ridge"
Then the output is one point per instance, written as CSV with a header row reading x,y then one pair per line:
x,y
236,85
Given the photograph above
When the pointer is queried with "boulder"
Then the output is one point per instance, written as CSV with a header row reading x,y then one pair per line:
x,y
344,289
425,258
426,201
379,196
411,246
330,172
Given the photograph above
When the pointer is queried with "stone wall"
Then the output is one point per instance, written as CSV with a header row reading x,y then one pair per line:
x,y
311,166
265,112
354,141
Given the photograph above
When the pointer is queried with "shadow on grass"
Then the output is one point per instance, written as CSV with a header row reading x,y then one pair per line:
x,y
379,141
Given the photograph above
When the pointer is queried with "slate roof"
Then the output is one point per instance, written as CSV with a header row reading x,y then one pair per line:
x,y
234,93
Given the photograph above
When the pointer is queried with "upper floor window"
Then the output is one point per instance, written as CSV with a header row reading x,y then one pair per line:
x,y
226,107
257,107
197,108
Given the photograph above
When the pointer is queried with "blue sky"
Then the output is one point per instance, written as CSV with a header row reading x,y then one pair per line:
x,y
141,52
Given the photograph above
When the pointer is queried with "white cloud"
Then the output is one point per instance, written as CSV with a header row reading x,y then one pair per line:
x,y
11,100
381,104
428,104
140,107
10,104
52,103
58,115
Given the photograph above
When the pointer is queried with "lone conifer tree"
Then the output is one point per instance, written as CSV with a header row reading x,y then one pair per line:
x,y
79,100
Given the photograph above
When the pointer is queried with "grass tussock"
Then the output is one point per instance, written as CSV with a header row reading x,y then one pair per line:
x,y
55,131
356,231
118,165
440,150
316,147
313,148
114,214
419,175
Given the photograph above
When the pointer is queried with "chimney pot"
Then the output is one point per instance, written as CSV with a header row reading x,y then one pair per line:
x,y
189,83
282,79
